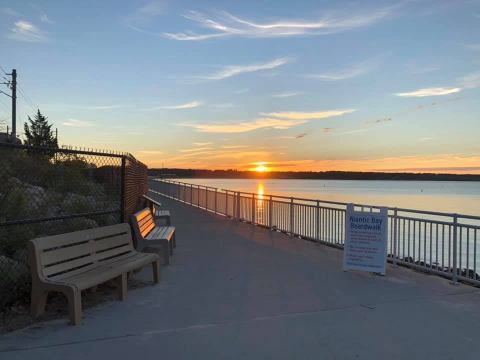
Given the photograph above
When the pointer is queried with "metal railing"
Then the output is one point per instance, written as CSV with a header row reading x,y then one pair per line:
x,y
441,243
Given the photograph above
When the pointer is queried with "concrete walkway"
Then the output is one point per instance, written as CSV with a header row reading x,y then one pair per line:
x,y
235,291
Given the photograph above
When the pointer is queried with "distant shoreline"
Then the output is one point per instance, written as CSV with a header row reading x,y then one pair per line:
x,y
173,173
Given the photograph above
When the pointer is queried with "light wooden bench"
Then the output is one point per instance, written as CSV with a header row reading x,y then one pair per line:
x,y
149,235
72,262
154,206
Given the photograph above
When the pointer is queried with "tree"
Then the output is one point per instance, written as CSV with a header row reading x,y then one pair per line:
x,y
39,132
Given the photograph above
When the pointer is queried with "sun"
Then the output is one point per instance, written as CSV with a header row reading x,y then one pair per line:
x,y
261,168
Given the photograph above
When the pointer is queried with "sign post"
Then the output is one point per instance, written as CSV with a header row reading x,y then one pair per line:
x,y
365,240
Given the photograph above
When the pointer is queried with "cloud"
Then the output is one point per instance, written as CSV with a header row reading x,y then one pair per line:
x,y
286,94
144,15
225,24
470,81
438,91
197,149
344,74
202,143
234,70
77,123
275,120
45,19
10,12
189,105
234,146
103,107
246,126
150,152
292,115
26,31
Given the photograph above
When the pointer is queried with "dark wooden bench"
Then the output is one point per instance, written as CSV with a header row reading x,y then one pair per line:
x,y
72,262
148,235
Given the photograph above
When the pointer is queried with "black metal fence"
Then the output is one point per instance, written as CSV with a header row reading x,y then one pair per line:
x,y
51,191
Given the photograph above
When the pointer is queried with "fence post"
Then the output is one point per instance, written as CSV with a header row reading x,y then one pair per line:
x,y
191,194
239,216
291,216
253,209
215,206
394,250
454,265
270,210
123,179
226,203
317,222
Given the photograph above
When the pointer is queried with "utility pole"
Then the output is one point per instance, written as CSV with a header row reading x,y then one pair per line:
x,y
14,105
13,86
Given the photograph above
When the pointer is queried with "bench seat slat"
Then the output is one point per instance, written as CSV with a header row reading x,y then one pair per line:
x,y
114,252
161,232
68,265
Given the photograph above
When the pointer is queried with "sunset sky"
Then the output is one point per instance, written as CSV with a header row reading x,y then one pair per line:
x,y
288,85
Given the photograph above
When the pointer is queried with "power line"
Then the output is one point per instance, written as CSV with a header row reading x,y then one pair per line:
x,y
27,99
3,70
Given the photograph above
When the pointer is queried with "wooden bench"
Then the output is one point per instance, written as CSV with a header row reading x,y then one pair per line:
x,y
149,235
72,262
154,206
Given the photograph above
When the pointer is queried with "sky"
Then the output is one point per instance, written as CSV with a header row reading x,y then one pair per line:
x,y
284,85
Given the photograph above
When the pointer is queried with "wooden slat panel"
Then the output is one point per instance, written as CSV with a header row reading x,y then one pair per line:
x,y
147,230
112,242
141,214
62,254
49,242
113,252
67,265
161,232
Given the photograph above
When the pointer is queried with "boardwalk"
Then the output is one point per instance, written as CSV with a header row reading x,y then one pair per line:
x,y
235,291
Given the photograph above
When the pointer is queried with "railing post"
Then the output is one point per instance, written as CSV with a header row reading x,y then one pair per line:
x,y
317,221
394,224
191,194
291,216
239,216
215,206
454,264
270,210
198,195
253,209
226,203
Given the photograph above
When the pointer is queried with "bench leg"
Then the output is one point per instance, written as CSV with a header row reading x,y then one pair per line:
x,y
174,240
170,245
169,221
122,287
74,305
156,271
38,302
166,253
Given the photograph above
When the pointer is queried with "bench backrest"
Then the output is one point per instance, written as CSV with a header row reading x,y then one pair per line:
x,y
144,221
60,256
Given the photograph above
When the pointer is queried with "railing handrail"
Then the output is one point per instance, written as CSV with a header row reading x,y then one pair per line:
x,y
315,201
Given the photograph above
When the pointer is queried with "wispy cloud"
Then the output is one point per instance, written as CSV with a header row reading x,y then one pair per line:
x,y
104,107
234,146
25,31
436,91
234,70
286,94
470,81
150,152
202,143
10,12
189,105
196,149
225,24
275,120
144,15
294,115
246,126
77,123
343,74
45,19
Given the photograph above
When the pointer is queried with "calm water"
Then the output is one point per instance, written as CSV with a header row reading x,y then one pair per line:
x,y
447,196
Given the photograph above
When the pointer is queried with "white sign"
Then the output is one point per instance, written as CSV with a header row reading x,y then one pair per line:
x,y
365,240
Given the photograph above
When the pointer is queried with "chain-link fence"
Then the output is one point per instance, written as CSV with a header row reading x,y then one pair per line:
x,y
53,191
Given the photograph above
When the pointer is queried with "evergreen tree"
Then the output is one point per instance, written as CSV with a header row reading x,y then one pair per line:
x,y
39,132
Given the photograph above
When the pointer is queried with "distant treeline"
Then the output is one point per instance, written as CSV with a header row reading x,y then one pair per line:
x,y
331,175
